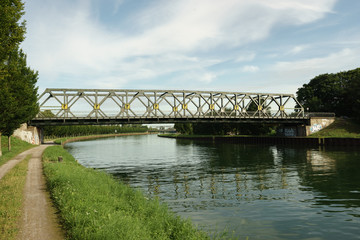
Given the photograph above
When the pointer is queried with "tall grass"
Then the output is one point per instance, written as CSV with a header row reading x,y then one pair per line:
x,y
93,205
17,146
11,199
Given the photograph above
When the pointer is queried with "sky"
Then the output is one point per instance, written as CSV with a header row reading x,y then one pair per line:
x,y
229,45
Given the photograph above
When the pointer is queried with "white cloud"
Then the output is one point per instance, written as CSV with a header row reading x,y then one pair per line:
x,y
208,77
246,57
297,49
337,61
250,69
293,74
64,38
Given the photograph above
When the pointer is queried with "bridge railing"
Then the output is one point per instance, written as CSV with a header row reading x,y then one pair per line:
x,y
320,114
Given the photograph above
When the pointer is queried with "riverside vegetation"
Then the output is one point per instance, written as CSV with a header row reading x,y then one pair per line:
x,y
93,205
11,199
52,132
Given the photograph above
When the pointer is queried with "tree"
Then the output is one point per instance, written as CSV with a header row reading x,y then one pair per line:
x,y
352,97
18,92
22,81
184,128
338,93
323,93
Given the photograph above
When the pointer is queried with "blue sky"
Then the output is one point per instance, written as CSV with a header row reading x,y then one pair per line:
x,y
229,45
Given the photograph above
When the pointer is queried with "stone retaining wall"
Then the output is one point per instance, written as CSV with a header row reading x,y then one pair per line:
x,y
28,134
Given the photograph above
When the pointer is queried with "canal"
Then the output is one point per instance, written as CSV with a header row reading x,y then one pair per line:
x,y
254,191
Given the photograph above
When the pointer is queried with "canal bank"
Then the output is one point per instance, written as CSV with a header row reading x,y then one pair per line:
x,y
93,205
258,191
302,141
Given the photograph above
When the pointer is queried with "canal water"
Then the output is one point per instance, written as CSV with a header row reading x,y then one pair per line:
x,y
252,191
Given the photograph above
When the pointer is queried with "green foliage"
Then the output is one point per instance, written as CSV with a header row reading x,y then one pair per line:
x,y
223,128
18,94
12,32
339,93
184,128
93,205
47,114
85,130
11,200
18,146
22,94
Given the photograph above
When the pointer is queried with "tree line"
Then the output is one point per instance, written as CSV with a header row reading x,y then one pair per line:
x,y
224,128
18,91
84,130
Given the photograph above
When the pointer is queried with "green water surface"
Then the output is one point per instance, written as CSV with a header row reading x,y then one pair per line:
x,y
254,191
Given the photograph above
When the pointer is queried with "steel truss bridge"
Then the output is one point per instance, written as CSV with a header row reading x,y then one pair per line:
x,y
118,106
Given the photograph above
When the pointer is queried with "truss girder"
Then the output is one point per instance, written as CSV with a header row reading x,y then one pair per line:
x,y
165,104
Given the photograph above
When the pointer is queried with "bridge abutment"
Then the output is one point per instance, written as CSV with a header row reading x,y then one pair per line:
x,y
30,134
315,124
318,123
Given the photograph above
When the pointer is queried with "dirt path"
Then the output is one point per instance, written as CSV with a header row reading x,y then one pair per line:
x,y
11,163
39,216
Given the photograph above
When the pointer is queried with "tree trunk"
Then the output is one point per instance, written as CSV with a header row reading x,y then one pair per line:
x,y
9,143
0,145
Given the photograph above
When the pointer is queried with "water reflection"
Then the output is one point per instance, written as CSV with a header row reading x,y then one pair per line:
x,y
263,192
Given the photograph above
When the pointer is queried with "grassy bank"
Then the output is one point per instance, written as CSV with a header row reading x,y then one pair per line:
x,y
341,128
93,205
11,199
17,146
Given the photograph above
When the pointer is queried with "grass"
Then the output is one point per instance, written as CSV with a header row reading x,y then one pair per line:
x,y
341,128
17,146
11,199
93,205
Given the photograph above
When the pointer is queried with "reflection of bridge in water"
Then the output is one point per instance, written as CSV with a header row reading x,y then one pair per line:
x,y
100,106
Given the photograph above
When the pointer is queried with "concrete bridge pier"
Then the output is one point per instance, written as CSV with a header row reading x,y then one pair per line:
x,y
41,135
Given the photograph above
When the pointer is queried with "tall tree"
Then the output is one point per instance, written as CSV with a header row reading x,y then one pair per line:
x,y
18,93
